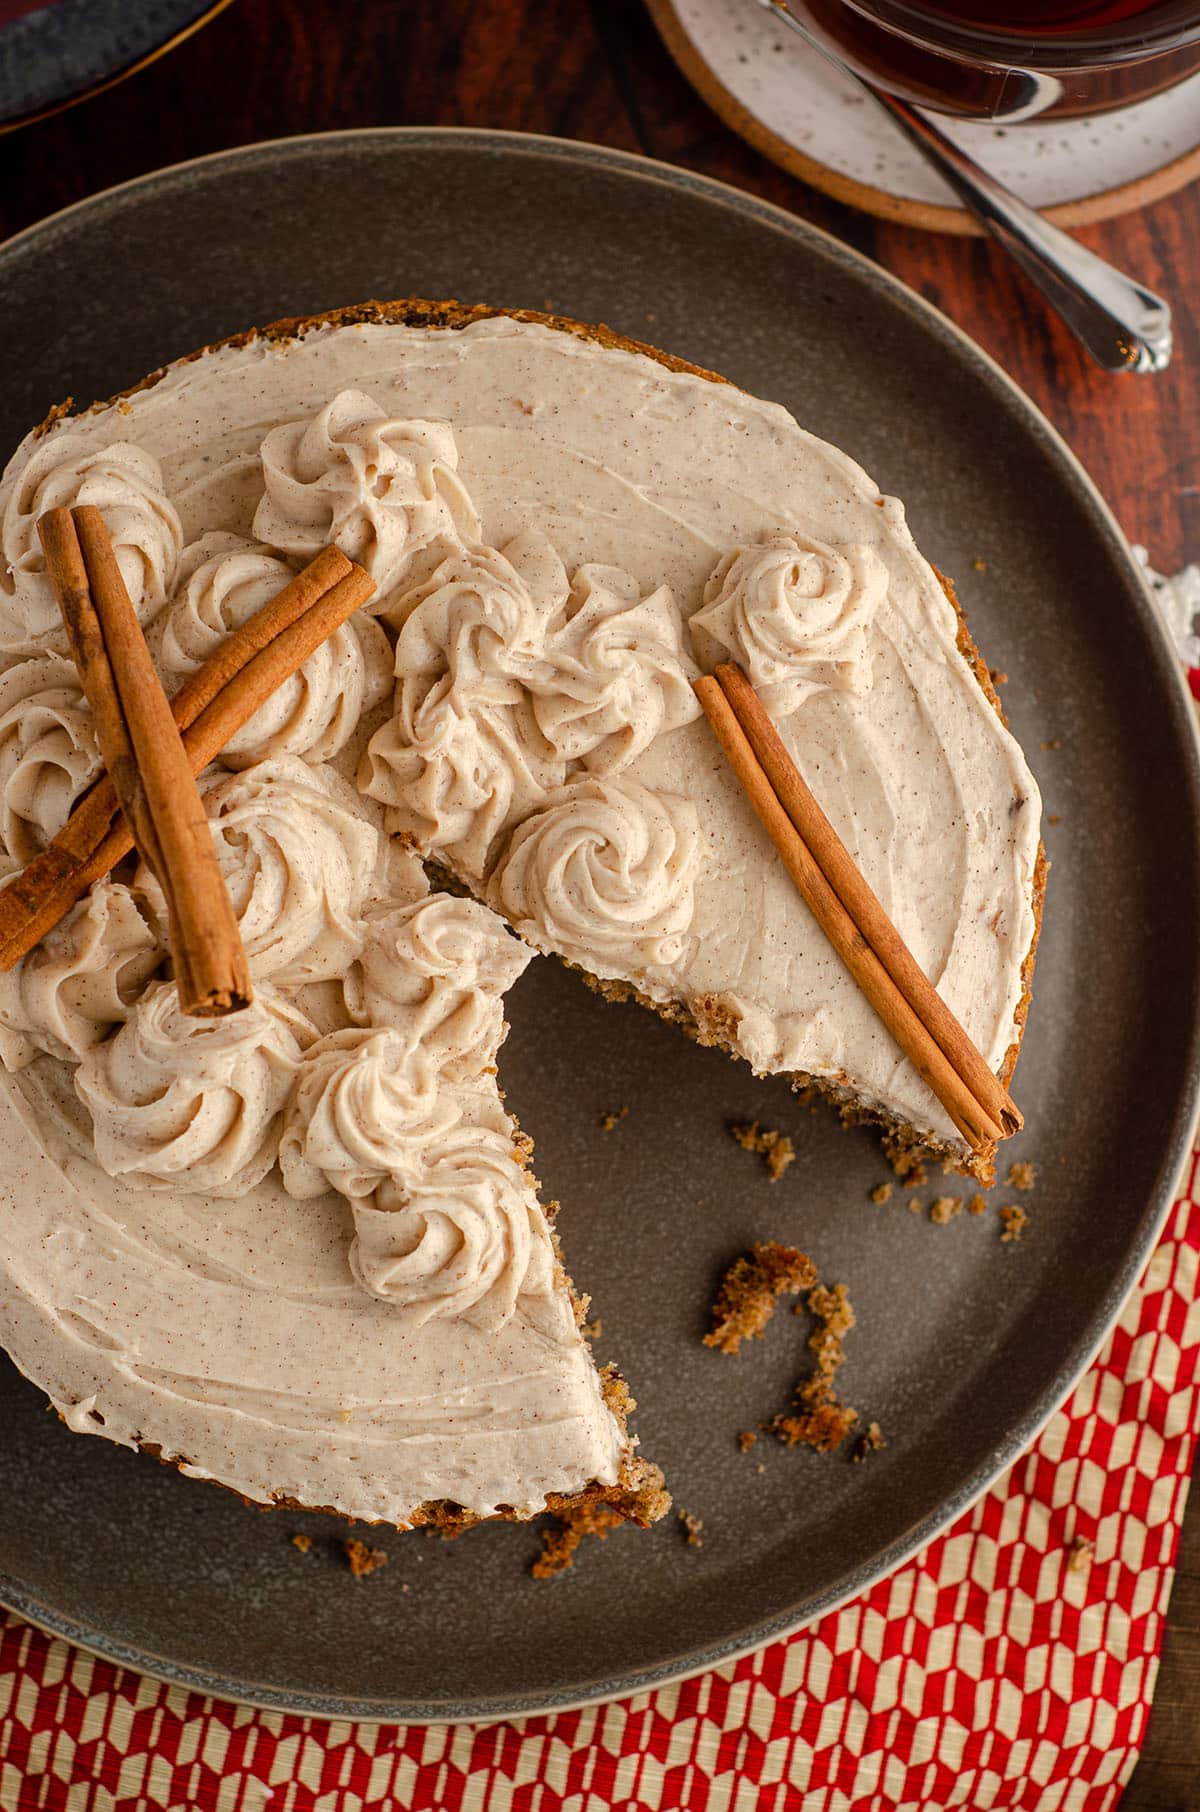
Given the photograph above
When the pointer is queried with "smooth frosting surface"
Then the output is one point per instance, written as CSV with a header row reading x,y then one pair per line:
x,y
301,1249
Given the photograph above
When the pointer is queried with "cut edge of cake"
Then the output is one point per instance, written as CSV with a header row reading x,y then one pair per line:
x,y
639,1495
904,1145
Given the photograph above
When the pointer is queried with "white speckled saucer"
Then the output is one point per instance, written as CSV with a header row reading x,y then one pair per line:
x,y
787,102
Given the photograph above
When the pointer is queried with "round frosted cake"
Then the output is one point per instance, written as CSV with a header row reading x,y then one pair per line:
x,y
299,1250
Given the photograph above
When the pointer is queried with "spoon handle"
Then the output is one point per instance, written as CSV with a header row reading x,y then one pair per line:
x,y
1124,326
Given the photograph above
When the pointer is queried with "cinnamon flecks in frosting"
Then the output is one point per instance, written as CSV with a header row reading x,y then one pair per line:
x,y
80,982
604,874
193,1103
377,1323
301,858
507,677
794,613
457,1231
436,972
464,757
48,752
364,1105
221,582
386,491
121,479
616,674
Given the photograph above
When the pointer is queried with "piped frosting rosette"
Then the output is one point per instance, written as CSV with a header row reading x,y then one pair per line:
x,y
384,490
48,752
615,672
81,981
221,582
604,875
300,857
506,676
463,756
193,1103
123,481
794,613
436,972
457,1233
365,1104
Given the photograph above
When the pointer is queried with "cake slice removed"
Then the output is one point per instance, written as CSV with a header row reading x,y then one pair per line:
x,y
641,521
299,1251
312,1267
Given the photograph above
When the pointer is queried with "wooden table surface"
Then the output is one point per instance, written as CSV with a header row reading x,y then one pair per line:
x,y
268,68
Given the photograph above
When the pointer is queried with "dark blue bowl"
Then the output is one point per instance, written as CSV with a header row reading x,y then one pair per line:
x,y
64,50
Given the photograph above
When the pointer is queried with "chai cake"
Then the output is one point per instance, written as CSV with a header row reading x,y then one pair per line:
x,y
299,1250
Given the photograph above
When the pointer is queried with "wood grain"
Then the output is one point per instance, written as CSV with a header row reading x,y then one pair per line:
x,y
596,69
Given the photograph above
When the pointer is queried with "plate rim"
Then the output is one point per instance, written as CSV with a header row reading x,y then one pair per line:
x,y
651,1680
1185,1119
931,216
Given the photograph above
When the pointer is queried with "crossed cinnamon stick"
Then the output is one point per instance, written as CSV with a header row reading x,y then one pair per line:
x,y
153,749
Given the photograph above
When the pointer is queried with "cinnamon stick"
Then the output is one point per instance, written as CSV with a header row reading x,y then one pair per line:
x,y
273,644
142,751
860,901
969,1115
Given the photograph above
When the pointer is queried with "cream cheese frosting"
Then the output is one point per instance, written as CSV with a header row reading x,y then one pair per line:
x,y
221,581
300,1248
124,481
301,858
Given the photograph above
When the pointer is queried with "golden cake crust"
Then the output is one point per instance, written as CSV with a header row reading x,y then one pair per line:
x,y
639,1493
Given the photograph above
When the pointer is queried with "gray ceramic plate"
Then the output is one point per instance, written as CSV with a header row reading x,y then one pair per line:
x,y
964,1346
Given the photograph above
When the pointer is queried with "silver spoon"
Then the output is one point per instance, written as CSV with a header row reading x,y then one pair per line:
x,y
1124,326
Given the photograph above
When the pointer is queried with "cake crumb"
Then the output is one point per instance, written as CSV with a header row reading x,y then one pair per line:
x,y
822,1423
592,1330
363,1560
746,1299
303,1542
944,1209
1081,1556
977,1205
823,1427
908,1166
916,1206
559,1545
692,1527
1015,1222
774,1146
345,1415
978,564
869,1442
1022,1176
746,1439
881,1193
1054,818
610,1121
1051,742
760,1467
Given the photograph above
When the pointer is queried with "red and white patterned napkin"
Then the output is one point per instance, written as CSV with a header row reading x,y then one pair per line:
x,y
1011,1664
1008,1665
